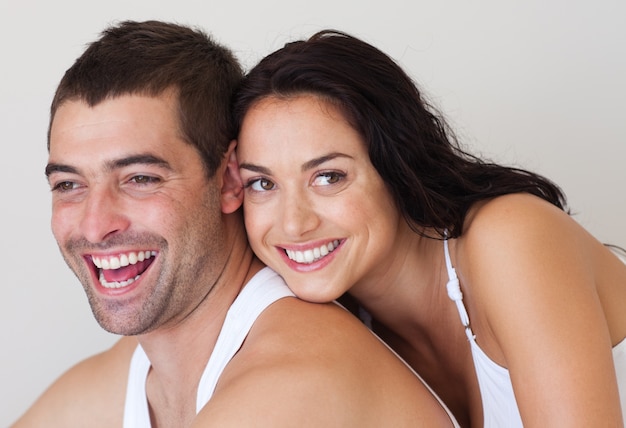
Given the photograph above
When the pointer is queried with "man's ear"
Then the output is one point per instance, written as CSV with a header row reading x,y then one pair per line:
x,y
232,186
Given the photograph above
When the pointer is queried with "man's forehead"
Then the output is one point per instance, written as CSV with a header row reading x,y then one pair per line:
x,y
125,108
132,121
127,130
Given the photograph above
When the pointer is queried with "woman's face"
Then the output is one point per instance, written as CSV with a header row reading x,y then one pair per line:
x,y
316,210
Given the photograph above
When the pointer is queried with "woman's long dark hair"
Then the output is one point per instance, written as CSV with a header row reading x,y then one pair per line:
x,y
433,181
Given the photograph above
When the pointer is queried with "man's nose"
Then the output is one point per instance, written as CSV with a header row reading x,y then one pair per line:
x,y
103,214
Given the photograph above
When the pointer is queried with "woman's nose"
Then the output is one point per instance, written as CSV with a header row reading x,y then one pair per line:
x,y
299,216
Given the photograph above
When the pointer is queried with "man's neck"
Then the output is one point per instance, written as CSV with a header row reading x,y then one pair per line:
x,y
179,354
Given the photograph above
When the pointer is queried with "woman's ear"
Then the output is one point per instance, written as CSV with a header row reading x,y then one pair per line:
x,y
232,186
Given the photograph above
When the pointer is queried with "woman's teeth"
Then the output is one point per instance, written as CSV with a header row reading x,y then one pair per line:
x,y
312,255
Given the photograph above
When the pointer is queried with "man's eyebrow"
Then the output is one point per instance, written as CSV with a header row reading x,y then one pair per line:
x,y
57,167
142,159
138,160
306,166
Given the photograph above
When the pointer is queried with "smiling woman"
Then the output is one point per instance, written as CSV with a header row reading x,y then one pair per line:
x,y
317,178
354,184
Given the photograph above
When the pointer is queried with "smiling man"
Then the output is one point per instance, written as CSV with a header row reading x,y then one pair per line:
x,y
146,211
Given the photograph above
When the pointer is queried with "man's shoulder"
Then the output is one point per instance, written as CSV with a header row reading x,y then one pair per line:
x,y
316,327
91,392
316,362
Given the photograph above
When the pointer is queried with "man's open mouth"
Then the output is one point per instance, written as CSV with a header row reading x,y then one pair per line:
x,y
121,270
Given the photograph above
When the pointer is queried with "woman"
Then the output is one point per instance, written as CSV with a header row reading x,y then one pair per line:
x,y
473,272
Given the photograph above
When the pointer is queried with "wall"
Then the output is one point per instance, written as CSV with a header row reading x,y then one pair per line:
x,y
537,84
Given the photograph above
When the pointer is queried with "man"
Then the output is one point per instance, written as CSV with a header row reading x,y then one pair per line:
x,y
145,210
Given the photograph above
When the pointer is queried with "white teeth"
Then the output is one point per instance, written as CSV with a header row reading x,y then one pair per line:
x,y
323,250
115,262
310,256
122,284
317,253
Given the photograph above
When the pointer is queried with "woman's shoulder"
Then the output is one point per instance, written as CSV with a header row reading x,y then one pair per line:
x,y
512,211
538,286
513,245
518,220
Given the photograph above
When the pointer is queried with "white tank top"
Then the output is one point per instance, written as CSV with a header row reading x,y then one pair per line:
x,y
264,288
496,389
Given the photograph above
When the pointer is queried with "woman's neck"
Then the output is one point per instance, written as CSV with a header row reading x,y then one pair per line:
x,y
404,290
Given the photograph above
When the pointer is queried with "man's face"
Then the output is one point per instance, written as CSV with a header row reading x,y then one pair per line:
x,y
133,212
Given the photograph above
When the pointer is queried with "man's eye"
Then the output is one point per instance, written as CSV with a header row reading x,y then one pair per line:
x,y
144,179
328,178
64,186
260,185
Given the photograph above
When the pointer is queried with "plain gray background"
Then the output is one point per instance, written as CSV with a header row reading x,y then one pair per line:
x,y
538,84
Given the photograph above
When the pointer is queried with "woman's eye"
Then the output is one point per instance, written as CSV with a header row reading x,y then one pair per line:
x,y
260,185
328,178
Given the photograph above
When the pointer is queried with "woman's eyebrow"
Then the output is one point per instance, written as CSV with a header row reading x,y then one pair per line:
x,y
255,168
313,163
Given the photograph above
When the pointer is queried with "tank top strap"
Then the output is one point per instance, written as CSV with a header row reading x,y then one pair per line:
x,y
265,288
454,290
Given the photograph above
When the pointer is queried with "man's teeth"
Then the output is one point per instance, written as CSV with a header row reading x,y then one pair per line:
x,y
116,262
312,255
116,284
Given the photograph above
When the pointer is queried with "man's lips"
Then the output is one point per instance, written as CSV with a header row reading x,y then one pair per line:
x,y
122,269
